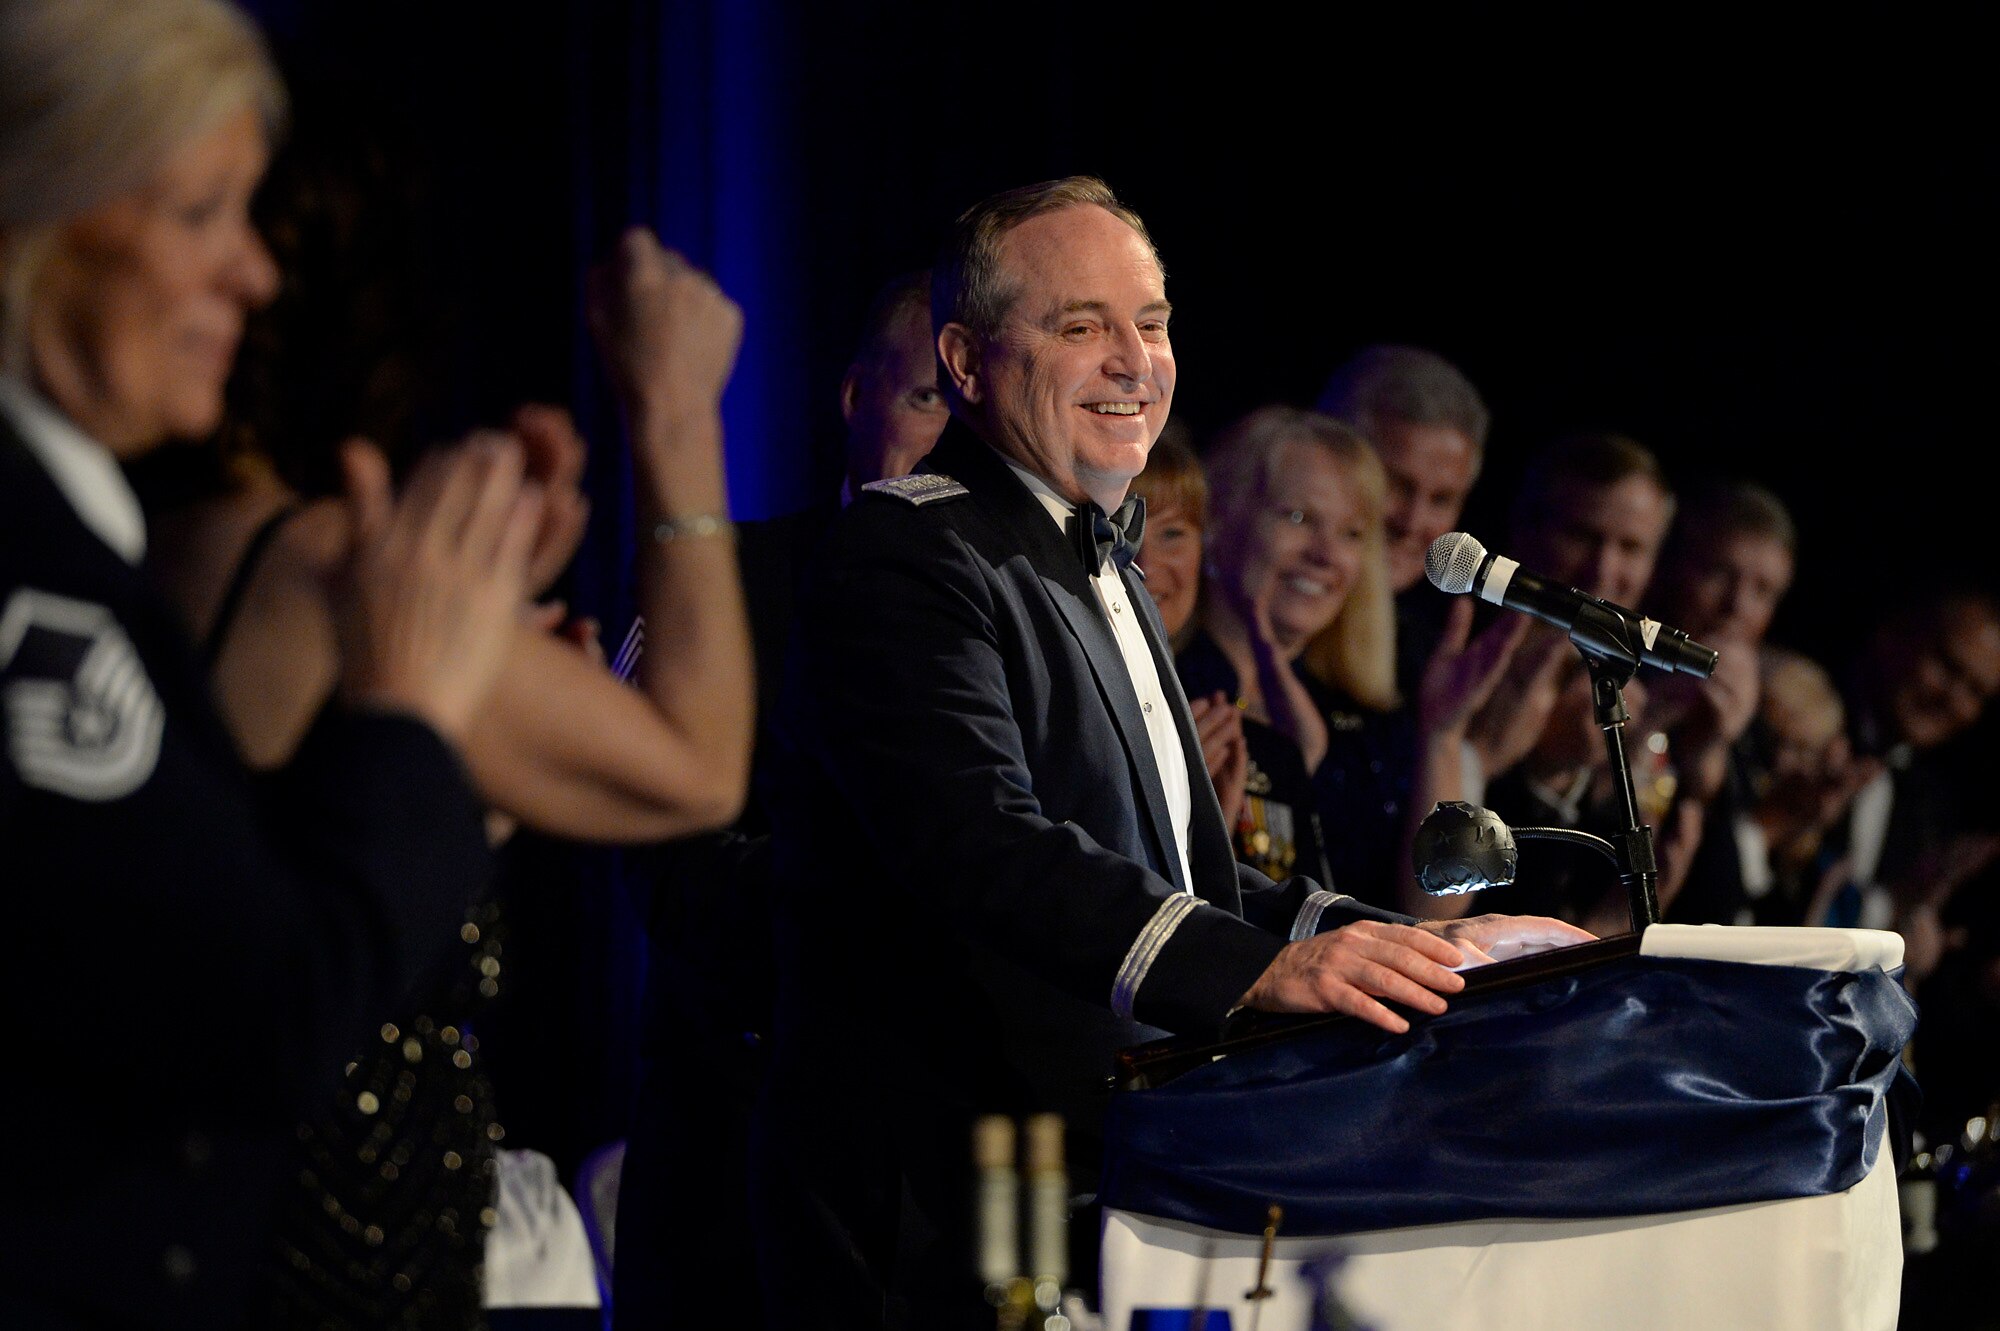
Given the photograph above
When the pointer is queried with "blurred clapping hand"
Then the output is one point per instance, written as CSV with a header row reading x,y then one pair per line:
x,y
1219,724
435,578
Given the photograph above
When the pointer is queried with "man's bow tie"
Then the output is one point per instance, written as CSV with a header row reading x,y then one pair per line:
x,y
1098,534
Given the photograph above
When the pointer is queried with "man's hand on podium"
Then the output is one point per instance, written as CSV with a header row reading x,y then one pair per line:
x,y
1348,969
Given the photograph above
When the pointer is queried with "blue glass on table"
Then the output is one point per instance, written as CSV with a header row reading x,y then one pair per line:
x,y
1180,1319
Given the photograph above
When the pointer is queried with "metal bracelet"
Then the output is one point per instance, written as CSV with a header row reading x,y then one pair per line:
x,y
686,528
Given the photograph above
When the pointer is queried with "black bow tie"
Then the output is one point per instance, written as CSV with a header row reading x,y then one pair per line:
x,y
1098,534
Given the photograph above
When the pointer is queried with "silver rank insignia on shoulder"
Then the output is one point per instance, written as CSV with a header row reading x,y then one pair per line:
x,y
919,489
83,719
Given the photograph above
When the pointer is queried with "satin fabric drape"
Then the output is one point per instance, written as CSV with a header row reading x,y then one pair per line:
x,y
1645,1085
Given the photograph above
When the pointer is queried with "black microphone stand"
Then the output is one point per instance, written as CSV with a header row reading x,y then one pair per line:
x,y
1605,640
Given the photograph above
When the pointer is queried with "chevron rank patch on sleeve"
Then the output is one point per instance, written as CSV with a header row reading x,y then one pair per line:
x,y
918,490
83,719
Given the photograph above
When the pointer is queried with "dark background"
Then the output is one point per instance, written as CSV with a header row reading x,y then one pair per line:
x,y
1760,246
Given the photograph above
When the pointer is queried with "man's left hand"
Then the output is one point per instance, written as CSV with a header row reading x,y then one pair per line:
x,y
1485,938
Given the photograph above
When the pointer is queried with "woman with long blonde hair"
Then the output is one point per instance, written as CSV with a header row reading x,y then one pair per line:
x,y
1298,627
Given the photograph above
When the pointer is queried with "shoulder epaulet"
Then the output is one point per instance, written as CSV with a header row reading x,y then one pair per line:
x,y
923,488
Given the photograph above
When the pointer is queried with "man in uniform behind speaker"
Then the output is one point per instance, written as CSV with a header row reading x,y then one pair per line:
x,y
999,857
1428,425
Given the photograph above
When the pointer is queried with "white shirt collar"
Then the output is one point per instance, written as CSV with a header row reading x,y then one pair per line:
x,y
83,469
1059,508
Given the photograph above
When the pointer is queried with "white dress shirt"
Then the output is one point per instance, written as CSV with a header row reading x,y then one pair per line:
x,y
1168,757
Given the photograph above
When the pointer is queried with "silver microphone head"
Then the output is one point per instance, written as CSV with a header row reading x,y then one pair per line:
x,y
1452,561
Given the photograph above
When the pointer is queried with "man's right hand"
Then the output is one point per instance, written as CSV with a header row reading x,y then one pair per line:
x,y
1347,969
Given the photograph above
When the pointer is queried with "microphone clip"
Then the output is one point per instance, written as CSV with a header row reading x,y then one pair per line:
x,y
1612,645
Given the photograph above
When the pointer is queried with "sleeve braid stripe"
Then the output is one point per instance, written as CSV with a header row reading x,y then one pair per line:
x,y
1145,948
1307,923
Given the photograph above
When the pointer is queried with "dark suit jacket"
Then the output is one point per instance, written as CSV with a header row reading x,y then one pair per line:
x,y
192,958
971,839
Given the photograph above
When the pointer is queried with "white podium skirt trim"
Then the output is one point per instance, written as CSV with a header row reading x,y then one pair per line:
x,y
1829,1263
1773,945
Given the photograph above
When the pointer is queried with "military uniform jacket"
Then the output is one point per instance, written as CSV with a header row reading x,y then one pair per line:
x,y
192,956
980,900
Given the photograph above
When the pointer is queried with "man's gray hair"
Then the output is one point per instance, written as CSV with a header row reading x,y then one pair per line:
x,y
1408,384
966,284
95,96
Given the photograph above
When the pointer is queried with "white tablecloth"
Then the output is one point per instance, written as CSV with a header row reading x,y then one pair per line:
x,y
537,1254
1809,1264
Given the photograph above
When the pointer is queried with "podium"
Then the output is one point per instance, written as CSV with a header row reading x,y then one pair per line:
x,y
1684,1129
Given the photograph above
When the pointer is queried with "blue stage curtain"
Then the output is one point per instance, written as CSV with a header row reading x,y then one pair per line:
x,y
1641,1086
679,119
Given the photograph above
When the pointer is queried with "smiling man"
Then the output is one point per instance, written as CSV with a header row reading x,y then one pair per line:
x,y
999,853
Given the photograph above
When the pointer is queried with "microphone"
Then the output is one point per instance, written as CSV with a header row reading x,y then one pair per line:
x,y
1456,563
1461,848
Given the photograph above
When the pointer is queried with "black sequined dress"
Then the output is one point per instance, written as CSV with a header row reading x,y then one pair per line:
x,y
383,1224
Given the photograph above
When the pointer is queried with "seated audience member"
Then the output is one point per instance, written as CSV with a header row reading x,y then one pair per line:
x,y
1803,776
1428,424
1925,677
1296,631
889,396
1592,512
1170,556
564,748
1176,495
891,414
1727,563
232,941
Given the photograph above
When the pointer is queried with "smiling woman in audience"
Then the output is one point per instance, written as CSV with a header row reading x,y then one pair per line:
x,y
1298,628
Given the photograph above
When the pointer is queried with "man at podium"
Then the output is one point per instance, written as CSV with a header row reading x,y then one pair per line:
x,y
1000,859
